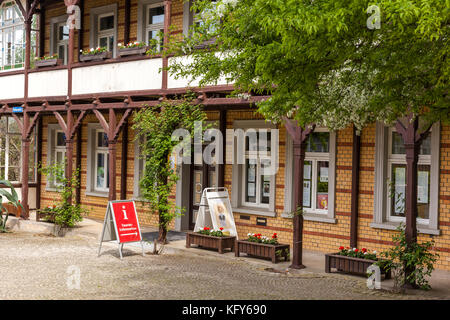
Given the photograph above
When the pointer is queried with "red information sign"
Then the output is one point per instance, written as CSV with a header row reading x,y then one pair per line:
x,y
126,221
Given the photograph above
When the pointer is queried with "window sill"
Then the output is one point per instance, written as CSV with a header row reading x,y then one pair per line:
x,y
255,211
389,225
311,217
97,194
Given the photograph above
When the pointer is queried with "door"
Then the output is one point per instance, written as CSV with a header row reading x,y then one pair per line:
x,y
202,176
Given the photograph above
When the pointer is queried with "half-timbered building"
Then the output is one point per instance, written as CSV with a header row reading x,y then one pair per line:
x,y
82,111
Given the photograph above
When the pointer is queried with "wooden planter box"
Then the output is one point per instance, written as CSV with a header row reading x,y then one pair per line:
x,y
350,265
133,51
95,57
11,209
263,250
46,216
203,240
47,63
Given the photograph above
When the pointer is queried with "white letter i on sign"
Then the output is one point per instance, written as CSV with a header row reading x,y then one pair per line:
x,y
124,213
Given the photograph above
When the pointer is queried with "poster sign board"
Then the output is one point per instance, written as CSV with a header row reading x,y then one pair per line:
x,y
121,225
215,211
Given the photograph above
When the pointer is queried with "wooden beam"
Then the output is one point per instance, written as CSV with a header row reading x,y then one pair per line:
x,y
102,120
124,162
22,9
61,121
356,155
121,123
32,124
77,123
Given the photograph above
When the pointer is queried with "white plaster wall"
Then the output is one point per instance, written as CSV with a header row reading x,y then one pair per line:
x,y
113,77
47,83
186,82
12,87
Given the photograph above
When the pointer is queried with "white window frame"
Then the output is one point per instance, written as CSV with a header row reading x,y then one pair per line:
x,y
16,22
104,152
238,174
106,33
55,22
91,170
153,27
95,33
383,162
401,159
56,149
329,215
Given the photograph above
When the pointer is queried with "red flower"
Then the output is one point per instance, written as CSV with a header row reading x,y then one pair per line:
x,y
347,247
206,228
221,228
363,250
341,248
356,250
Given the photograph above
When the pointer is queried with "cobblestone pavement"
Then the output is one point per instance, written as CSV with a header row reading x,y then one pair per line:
x,y
35,266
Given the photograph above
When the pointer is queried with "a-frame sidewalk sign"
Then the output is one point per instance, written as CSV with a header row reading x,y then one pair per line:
x,y
121,225
215,211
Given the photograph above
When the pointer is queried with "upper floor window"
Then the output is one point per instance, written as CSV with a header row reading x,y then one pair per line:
x,y
104,27
155,24
105,37
62,43
12,37
56,152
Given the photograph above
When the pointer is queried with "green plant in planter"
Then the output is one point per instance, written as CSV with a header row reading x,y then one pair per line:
x,y
416,257
13,199
66,214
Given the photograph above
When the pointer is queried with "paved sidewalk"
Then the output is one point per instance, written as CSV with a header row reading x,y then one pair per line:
x,y
36,267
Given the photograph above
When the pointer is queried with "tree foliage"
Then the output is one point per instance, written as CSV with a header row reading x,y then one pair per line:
x,y
154,127
320,62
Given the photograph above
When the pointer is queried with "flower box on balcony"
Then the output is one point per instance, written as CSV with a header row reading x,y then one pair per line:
x,y
206,241
95,57
47,63
124,52
262,250
351,265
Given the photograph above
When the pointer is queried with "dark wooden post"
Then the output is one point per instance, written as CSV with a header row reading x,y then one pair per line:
x,y
112,130
299,136
39,159
80,31
78,164
124,164
356,154
112,155
167,21
69,128
26,128
223,128
42,32
411,140
126,28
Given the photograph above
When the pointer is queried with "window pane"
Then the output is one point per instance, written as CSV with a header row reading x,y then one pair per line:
x,y
106,23
198,188
62,52
265,183
423,191
63,32
102,140
15,144
12,125
307,184
110,43
103,42
318,142
250,190
399,190
156,15
60,139
100,178
397,144
13,174
425,146
322,185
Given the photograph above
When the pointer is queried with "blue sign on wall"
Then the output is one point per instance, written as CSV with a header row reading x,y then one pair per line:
x,y
17,109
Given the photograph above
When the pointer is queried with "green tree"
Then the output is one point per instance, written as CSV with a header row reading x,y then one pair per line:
x,y
322,64
154,127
